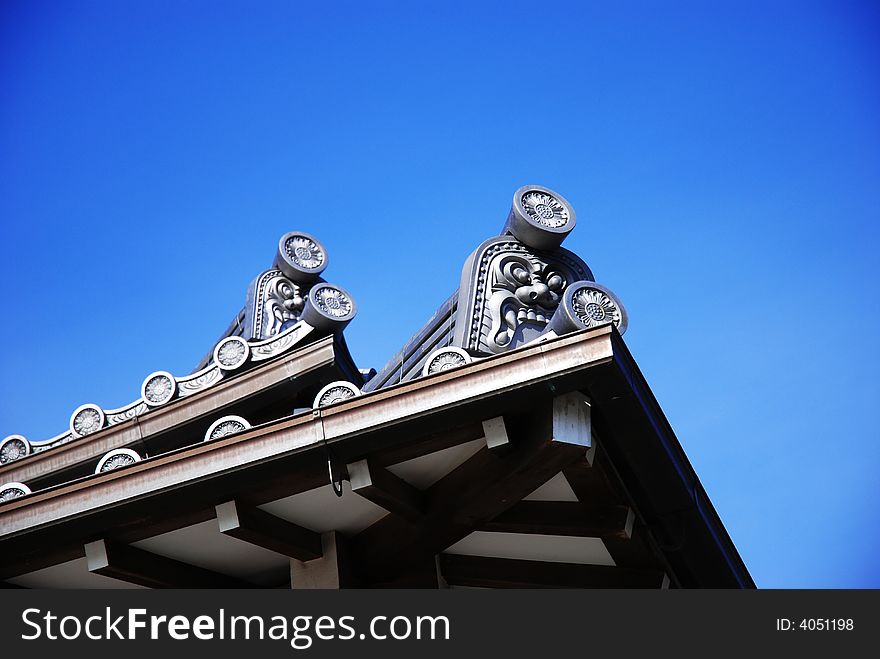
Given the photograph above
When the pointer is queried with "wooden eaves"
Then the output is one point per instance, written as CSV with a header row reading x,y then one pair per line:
x,y
254,394
636,488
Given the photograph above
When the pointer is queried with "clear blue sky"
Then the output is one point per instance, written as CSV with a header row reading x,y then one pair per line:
x,y
723,159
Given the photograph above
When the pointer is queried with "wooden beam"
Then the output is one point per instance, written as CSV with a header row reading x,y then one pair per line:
x,y
490,572
332,571
593,481
144,568
600,484
260,528
639,551
386,490
53,554
279,375
424,575
281,458
475,492
564,518
572,419
142,518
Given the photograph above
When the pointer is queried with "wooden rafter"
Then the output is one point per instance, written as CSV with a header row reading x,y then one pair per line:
x,y
144,568
260,528
386,489
488,572
570,518
598,483
333,570
543,442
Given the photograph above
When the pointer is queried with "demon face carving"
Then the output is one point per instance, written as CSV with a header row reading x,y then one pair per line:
x,y
525,293
509,292
274,304
283,304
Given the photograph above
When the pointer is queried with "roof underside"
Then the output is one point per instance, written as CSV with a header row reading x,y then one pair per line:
x,y
512,441
435,485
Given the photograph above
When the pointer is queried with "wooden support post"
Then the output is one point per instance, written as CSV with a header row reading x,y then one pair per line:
x,y
543,442
268,531
572,421
144,568
332,571
386,490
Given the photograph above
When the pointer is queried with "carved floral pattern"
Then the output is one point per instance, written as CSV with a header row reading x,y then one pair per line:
x,y
14,448
10,493
304,252
227,428
333,302
335,395
446,360
159,389
117,461
544,209
231,353
593,307
87,421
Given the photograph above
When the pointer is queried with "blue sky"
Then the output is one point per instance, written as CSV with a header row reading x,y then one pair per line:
x,y
723,159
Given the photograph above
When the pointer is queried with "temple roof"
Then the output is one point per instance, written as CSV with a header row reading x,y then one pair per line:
x,y
528,328
288,306
516,288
